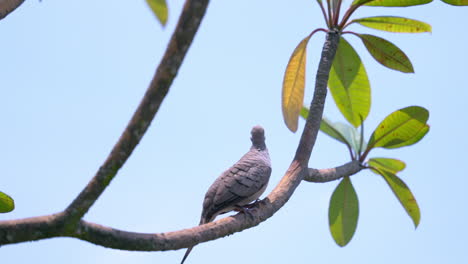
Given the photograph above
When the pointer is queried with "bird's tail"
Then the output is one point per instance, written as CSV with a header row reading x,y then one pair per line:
x,y
186,254
203,220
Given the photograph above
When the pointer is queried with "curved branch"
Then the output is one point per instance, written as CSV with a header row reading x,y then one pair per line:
x,y
331,174
30,229
8,6
297,171
312,126
182,37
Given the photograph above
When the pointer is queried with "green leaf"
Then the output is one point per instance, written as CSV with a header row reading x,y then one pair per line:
x,y
327,127
391,165
6,203
349,84
399,128
414,139
403,193
386,53
361,2
159,8
391,3
350,134
294,84
343,212
334,131
342,132
394,24
456,2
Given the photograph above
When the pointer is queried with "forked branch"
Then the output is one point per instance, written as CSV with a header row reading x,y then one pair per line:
x,y
69,223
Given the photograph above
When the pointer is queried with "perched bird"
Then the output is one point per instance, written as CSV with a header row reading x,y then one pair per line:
x,y
239,185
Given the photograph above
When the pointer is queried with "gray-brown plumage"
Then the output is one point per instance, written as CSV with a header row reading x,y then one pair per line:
x,y
239,185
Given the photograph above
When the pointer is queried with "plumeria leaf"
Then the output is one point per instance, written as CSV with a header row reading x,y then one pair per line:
x,y
342,132
403,194
6,203
327,127
294,85
420,135
386,53
159,8
394,24
392,165
456,2
349,84
343,212
350,134
361,2
391,3
400,128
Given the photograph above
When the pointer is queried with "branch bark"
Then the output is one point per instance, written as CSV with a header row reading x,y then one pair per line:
x,y
332,174
69,224
8,6
312,126
181,40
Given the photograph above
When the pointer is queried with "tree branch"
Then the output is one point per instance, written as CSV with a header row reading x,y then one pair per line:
x,y
8,6
182,37
331,174
312,126
29,229
113,238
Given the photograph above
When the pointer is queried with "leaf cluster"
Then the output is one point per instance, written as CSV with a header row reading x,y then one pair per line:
x,y
350,88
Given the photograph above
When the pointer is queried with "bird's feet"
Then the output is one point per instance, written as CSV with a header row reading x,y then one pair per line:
x,y
246,209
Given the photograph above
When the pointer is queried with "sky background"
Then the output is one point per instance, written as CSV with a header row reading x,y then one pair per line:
x,y
72,73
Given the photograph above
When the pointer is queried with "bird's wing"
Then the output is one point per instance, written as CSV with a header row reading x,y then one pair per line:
x,y
237,186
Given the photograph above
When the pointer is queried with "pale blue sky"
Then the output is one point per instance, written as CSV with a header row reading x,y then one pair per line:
x,y
72,73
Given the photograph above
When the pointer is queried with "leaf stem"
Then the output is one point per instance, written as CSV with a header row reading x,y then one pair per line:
x,y
324,13
330,14
337,12
361,140
348,14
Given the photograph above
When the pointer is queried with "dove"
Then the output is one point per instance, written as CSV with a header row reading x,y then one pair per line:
x,y
239,185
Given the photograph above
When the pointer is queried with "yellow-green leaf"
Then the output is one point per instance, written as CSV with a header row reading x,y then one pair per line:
x,y
343,212
392,165
420,135
399,128
361,2
349,84
403,193
394,24
159,8
391,3
456,2
294,85
386,53
6,203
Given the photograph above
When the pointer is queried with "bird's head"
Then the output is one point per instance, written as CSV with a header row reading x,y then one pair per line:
x,y
258,137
